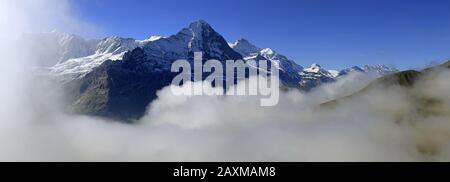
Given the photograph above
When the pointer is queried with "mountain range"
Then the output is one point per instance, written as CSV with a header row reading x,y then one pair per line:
x,y
118,77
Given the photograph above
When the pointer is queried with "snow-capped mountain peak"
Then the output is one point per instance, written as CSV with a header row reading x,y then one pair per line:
x,y
314,68
380,68
289,70
150,39
199,36
197,30
315,75
244,47
334,73
116,45
267,51
349,70
199,25
155,37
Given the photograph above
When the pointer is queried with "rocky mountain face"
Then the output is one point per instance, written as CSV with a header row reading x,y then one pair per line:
x,y
123,88
198,37
288,69
111,48
118,77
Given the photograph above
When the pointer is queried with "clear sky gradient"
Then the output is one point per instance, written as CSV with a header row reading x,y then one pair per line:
x,y
334,33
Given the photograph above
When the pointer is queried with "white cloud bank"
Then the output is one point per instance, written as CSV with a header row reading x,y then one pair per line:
x,y
368,127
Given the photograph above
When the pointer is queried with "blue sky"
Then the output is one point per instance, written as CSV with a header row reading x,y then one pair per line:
x,y
334,33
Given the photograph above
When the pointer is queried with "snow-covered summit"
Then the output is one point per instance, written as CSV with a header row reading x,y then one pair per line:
x,y
314,68
198,27
317,70
155,37
199,36
314,76
116,45
268,51
380,68
244,47
250,51
289,70
96,52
